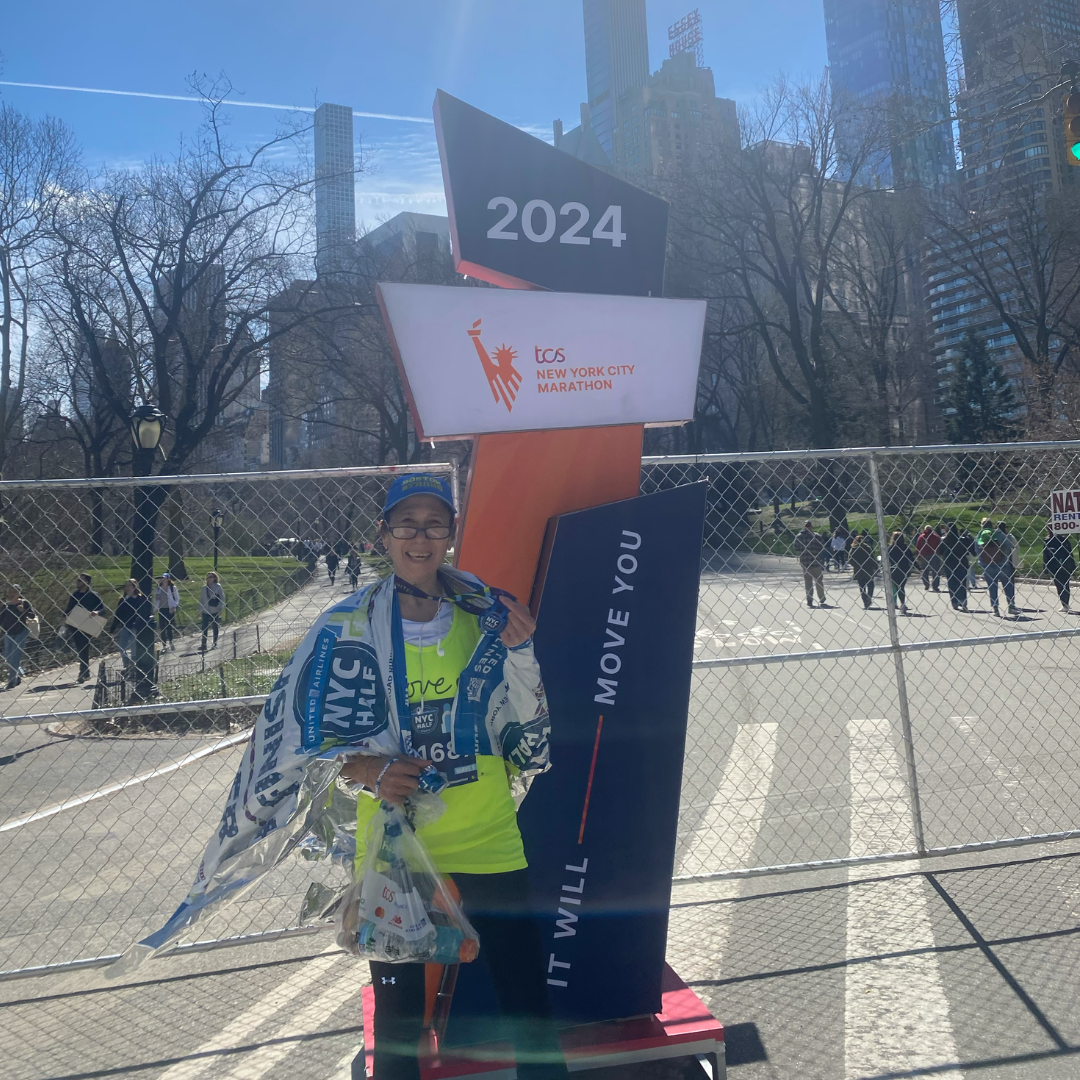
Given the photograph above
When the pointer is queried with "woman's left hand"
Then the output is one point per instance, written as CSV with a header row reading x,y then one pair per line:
x,y
520,626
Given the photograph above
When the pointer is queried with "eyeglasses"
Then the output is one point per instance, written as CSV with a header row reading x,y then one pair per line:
x,y
409,532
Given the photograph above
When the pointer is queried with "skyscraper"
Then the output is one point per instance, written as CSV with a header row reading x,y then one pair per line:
x,y
335,193
1010,109
889,54
616,59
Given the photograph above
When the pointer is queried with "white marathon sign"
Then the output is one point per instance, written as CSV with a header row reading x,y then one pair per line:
x,y
1065,511
487,360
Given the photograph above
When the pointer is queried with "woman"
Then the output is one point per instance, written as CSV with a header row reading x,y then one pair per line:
x,y
166,602
211,606
955,550
476,841
333,560
864,567
83,597
1059,563
134,615
901,560
13,616
838,545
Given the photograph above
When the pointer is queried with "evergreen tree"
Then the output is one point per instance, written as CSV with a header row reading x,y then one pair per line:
x,y
979,401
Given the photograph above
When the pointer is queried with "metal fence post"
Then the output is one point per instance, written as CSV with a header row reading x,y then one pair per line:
x,y
898,661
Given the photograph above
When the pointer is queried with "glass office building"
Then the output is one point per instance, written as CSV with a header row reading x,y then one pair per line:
x,y
616,59
890,55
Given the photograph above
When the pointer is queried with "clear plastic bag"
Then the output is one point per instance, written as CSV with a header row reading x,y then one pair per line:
x,y
400,910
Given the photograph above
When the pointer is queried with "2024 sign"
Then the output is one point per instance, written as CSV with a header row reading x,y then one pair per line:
x,y
609,227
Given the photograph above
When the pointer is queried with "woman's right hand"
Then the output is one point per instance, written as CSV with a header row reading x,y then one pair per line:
x,y
399,781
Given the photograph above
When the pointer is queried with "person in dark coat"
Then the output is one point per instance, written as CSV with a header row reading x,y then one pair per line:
x,y
85,597
333,560
1060,563
955,550
864,567
134,616
901,561
13,615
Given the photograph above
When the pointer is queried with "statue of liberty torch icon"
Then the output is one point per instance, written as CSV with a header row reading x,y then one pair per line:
x,y
502,376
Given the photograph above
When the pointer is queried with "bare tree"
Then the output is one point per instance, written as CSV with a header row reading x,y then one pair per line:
x,y
181,262
37,164
767,227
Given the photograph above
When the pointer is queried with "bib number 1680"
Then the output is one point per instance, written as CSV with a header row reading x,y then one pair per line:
x,y
539,222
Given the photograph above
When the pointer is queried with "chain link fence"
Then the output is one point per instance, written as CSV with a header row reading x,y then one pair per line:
x,y
855,696
112,783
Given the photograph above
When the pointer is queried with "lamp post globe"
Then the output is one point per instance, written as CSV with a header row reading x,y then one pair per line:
x,y
147,427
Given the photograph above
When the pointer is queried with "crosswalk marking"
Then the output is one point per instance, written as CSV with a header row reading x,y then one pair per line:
x,y
240,1030
896,1014
737,810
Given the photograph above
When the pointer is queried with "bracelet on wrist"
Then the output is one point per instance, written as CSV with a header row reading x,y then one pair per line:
x,y
379,780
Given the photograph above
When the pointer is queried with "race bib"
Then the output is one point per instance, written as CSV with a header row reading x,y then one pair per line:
x,y
431,741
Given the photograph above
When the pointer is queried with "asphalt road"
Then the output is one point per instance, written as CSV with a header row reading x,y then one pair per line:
x,y
885,971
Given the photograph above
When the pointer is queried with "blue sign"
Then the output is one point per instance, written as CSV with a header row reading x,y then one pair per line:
x,y
615,640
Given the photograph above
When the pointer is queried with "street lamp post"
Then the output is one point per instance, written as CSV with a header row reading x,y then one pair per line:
x,y
217,515
147,427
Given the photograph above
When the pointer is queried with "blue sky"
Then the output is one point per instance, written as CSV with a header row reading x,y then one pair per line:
x,y
522,61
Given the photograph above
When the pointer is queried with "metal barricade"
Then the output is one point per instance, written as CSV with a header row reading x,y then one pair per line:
x,y
109,794
902,717
906,715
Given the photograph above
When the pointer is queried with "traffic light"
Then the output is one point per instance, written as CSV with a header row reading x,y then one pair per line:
x,y
1072,127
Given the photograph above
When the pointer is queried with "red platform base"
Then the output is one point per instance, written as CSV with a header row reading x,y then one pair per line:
x,y
685,1028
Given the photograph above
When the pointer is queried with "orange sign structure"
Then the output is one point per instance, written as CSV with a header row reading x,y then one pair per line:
x,y
519,481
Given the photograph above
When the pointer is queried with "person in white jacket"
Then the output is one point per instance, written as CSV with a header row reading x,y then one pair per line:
x,y
212,606
166,602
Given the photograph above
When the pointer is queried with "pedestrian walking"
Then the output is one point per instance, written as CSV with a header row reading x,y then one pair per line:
x,y
13,616
973,560
864,567
810,547
901,562
1012,553
352,568
332,562
955,552
1060,563
838,545
929,560
166,603
83,597
134,615
211,606
995,557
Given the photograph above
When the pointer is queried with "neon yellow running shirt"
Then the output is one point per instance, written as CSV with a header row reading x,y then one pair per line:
x,y
478,833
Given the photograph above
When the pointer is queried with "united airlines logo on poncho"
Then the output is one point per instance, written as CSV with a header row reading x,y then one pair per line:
x,y
342,699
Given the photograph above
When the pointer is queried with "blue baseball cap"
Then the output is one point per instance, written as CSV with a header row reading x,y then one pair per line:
x,y
405,487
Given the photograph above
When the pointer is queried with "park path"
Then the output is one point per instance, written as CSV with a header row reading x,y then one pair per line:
x,y
274,629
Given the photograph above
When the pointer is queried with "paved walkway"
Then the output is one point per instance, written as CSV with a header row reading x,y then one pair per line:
x,y
275,629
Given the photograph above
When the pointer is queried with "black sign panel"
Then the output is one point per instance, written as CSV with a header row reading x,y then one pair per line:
x,y
615,640
524,214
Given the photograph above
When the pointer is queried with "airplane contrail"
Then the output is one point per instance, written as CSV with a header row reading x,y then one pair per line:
x,y
188,98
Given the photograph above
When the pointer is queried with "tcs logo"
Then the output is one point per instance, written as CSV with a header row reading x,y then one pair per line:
x,y
550,356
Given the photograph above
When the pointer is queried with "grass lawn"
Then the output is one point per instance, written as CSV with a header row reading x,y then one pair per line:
x,y
1027,528
251,583
243,677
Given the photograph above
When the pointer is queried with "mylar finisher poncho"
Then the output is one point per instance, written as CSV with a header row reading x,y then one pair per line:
x,y
344,690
